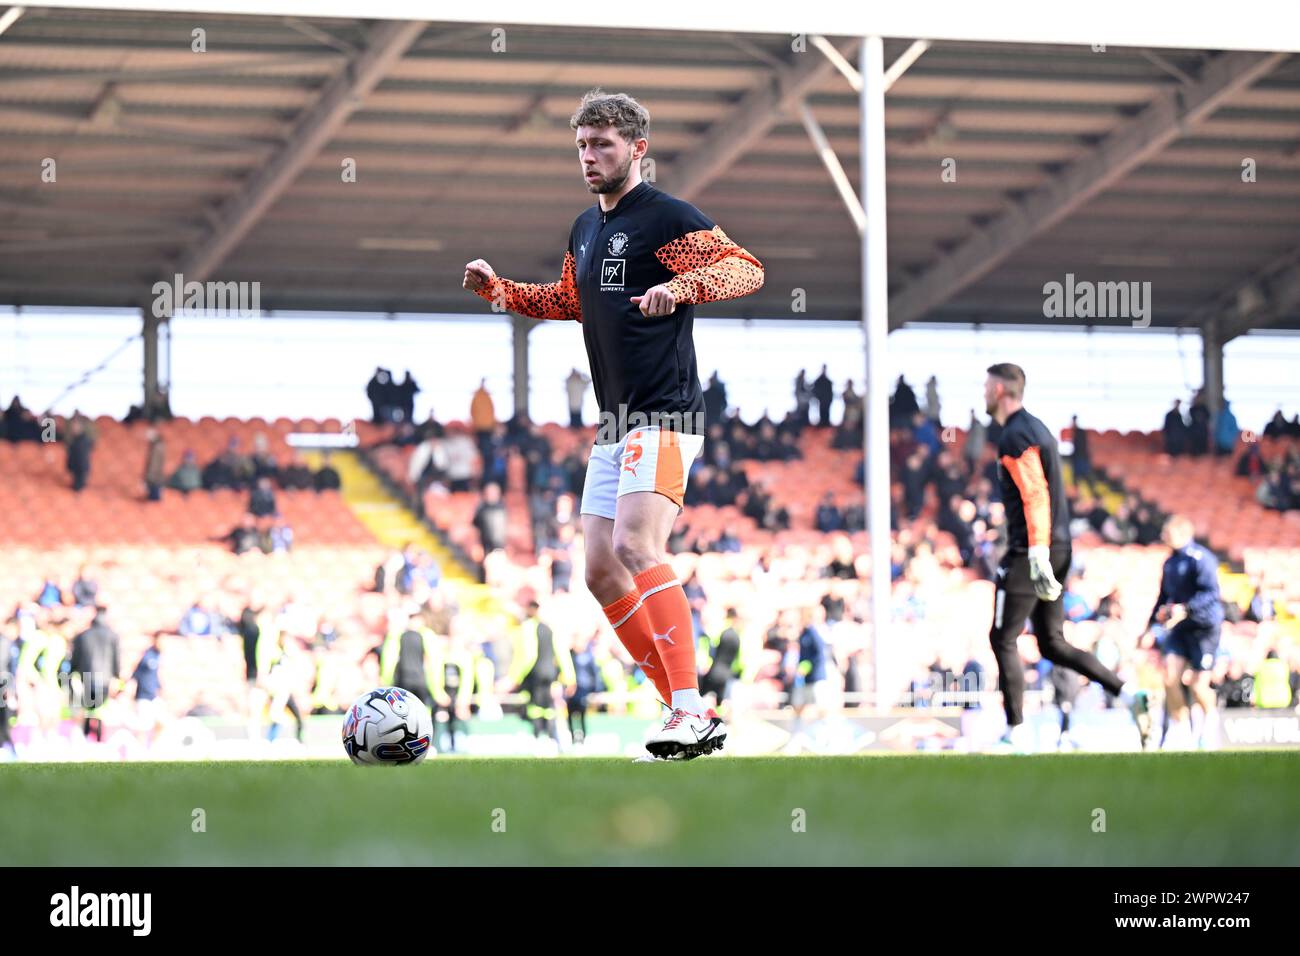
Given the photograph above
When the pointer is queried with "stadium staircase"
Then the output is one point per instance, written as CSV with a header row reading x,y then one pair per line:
x,y
394,525
384,516
453,513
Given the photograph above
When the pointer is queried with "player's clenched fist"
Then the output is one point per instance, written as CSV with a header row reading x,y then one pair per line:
x,y
478,275
658,300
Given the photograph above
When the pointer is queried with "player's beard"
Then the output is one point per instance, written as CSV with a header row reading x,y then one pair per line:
x,y
614,183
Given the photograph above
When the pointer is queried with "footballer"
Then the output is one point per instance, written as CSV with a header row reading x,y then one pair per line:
x,y
638,261
1184,626
1038,557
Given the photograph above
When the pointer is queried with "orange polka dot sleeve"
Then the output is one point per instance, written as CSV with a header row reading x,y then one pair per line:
x,y
540,300
707,267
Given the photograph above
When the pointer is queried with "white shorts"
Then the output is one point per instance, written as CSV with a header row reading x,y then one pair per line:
x,y
647,459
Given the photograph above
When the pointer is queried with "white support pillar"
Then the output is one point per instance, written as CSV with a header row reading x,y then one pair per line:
x,y
875,324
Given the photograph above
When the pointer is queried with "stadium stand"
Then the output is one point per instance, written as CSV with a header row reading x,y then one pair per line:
x,y
148,588
153,561
1222,505
43,510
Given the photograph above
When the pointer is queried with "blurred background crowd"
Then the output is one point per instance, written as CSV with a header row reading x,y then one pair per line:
x,y
170,568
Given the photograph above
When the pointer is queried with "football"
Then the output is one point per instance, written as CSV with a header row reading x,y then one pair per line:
x,y
387,726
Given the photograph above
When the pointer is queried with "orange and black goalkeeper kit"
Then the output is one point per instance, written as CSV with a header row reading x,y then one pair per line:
x,y
1032,487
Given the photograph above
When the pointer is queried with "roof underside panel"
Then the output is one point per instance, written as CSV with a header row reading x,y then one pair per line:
x,y
461,152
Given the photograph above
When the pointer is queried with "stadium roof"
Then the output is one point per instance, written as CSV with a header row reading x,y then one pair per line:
x,y
1122,165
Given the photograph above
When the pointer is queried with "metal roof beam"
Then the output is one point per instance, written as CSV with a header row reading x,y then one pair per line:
x,y
1134,142
1168,66
10,17
319,35
904,62
1268,24
815,132
834,167
385,45
1265,298
249,63
838,61
756,113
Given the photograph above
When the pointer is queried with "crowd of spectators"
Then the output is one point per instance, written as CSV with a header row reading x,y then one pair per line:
x,y
796,619
157,408
256,470
405,571
78,435
59,654
1277,480
267,534
947,517
82,433
961,479
391,401
20,423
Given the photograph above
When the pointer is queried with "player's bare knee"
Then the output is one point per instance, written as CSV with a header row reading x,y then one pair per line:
x,y
634,552
604,581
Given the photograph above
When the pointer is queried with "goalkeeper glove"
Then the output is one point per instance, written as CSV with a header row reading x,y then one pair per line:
x,y
1041,575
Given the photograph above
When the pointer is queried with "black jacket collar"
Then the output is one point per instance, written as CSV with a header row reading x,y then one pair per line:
x,y
632,198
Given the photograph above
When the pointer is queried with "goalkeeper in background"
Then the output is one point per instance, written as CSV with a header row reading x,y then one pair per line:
x,y
1038,556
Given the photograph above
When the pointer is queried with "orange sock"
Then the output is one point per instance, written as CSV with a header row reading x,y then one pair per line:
x,y
674,632
631,622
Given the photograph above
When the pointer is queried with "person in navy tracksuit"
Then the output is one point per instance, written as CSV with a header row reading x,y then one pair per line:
x,y
1184,627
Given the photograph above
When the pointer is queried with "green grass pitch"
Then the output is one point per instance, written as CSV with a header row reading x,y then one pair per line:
x,y
1196,809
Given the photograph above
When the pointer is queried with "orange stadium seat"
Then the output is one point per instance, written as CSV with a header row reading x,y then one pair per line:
x,y
42,509
1221,505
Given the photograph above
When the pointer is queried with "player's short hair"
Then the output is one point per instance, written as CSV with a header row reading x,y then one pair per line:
x,y
1012,376
598,108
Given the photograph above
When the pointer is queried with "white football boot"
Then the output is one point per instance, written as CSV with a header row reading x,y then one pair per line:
x,y
687,736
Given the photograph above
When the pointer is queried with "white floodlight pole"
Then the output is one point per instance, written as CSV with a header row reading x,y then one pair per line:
x,y
875,324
